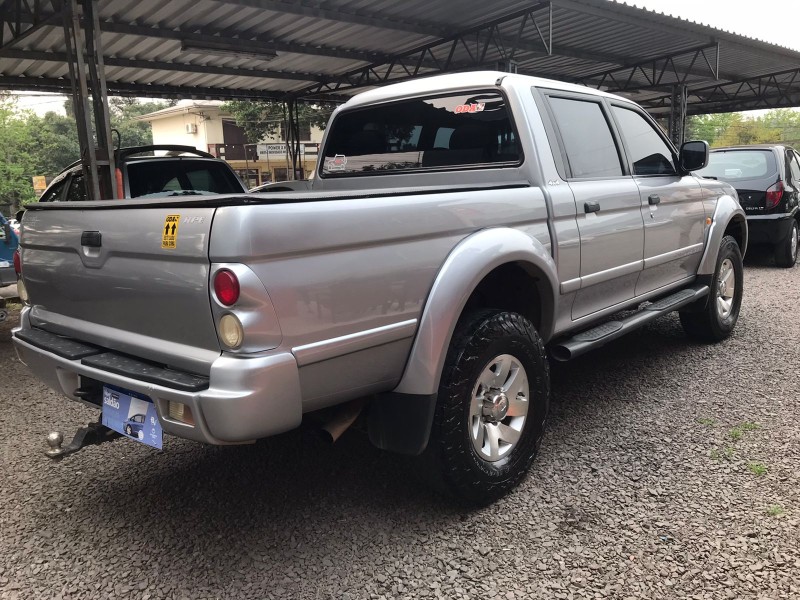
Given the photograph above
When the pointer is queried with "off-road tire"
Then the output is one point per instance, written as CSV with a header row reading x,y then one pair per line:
x,y
452,460
786,251
707,324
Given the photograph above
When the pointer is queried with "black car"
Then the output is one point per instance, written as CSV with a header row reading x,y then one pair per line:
x,y
180,170
767,179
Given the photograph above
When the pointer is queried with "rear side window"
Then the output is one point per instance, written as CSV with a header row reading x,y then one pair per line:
x,y
649,153
795,167
587,139
732,165
463,130
54,193
174,177
77,189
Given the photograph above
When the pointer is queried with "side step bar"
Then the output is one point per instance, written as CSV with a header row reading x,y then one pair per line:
x,y
611,330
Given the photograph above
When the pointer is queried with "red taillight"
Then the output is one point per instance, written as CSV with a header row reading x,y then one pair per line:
x,y
226,286
774,195
17,262
120,186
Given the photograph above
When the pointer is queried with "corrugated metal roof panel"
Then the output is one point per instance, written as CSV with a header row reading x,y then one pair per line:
x,y
325,41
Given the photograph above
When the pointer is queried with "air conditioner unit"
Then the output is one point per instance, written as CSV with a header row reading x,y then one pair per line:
x,y
191,128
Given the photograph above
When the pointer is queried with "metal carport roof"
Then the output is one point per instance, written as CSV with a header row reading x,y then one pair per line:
x,y
271,48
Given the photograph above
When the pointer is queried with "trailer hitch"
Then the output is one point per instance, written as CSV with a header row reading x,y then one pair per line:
x,y
92,434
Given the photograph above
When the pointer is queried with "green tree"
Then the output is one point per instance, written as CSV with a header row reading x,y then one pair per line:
x,y
709,127
122,114
16,164
263,118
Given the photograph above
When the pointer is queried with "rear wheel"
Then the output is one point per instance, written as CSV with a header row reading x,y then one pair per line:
x,y
491,406
786,251
716,320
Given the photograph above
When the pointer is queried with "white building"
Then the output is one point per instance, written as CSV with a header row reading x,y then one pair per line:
x,y
203,125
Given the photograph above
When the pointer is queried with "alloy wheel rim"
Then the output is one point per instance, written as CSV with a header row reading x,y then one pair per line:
x,y
793,241
726,288
498,408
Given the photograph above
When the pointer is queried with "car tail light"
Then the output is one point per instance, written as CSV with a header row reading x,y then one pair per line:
x,y
774,195
226,286
17,262
120,187
181,413
231,331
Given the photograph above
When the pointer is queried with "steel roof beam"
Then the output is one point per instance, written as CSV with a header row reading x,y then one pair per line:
x,y
475,42
35,13
129,63
630,77
54,84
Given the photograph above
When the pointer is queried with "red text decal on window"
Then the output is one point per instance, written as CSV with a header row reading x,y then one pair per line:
x,y
469,108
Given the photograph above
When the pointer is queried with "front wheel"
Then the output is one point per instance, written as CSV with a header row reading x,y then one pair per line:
x,y
786,251
491,408
716,320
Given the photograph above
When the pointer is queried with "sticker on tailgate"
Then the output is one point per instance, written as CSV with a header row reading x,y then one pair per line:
x,y
169,235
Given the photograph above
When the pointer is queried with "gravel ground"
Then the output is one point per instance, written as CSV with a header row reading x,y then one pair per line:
x,y
669,470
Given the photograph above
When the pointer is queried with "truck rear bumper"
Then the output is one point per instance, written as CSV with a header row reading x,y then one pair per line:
x,y
247,398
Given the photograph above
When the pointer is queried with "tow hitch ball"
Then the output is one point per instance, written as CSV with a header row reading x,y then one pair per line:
x,y
92,434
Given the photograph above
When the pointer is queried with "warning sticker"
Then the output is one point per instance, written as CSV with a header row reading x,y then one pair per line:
x,y
169,236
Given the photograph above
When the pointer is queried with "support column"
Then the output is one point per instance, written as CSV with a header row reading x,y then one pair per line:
x,y
87,78
677,115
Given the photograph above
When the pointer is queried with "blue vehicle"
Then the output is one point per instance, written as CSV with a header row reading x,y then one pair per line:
x,y
8,245
134,425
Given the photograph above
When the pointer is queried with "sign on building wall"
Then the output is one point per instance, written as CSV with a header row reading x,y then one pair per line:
x,y
279,150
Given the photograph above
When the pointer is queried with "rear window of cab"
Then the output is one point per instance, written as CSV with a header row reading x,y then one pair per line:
x,y
466,130
732,165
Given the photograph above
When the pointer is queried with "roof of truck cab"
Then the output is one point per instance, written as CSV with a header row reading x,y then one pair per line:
x,y
465,80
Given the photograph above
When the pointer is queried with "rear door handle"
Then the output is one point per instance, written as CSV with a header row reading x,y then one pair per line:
x,y
92,239
591,207
653,200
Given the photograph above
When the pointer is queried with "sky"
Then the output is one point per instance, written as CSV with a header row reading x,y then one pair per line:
x,y
774,21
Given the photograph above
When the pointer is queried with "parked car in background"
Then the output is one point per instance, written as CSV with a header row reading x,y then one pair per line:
x,y
9,240
301,185
767,179
180,171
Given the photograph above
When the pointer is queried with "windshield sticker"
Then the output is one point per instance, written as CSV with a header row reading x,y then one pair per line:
x,y
338,163
169,235
469,108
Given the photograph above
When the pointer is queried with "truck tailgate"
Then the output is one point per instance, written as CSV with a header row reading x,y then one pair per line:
x,y
131,279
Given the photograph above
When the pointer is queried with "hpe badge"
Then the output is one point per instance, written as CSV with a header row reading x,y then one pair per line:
x,y
169,235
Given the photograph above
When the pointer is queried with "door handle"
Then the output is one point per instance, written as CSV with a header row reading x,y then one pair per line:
x,y
92,239
653,200
591,207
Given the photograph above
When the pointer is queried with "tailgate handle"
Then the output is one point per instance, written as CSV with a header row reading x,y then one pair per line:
x,y
653,200
591,207
93,239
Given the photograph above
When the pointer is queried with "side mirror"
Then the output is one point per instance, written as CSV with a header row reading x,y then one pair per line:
x,y
694,155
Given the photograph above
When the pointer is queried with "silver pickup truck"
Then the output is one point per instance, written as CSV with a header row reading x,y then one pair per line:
x,y
458,229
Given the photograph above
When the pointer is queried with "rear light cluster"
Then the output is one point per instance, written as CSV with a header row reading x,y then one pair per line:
x,y
227,290
226,286
180,412
22,292
774,195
